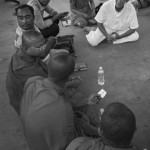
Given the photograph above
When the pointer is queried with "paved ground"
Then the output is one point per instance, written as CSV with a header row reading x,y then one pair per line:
x,y
126,66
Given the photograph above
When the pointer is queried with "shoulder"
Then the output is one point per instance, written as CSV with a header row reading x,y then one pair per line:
x,y
129,6
32,80
33,3
84,143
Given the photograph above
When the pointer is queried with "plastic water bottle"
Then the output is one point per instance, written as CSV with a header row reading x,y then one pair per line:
x,y
101,79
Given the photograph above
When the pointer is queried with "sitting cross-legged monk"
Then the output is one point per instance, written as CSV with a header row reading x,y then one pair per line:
x,y
25,63
117,22
117,128
47,107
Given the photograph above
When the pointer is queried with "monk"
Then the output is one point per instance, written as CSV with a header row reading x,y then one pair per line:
x,y
25,63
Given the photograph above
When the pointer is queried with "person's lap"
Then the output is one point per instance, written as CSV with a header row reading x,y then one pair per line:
x,y
96,37
53,30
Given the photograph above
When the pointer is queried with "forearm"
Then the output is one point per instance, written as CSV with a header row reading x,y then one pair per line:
x,y
39,20
77,12
48,48
129,32
50,11
102,29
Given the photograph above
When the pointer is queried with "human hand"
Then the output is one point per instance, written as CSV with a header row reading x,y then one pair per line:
x,y
109,38
61,15
74,82
94,99
69,92
114,36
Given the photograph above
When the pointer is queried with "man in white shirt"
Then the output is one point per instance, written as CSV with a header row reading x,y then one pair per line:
x,y
117,22
48,25
25,19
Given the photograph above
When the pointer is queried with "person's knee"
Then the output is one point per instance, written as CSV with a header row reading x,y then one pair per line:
x,y
136,35
55,29
81,24
91,40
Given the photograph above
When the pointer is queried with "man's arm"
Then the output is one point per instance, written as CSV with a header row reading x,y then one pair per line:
x,y
50,11
129,32
39,19
102,29
42,51
92,6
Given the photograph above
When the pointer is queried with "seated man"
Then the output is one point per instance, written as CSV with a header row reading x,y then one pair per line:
x,y
117,22
83,12
117,128
46,110
26,63
48,25
25,19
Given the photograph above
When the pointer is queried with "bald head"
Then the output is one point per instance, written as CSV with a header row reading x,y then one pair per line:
x,y
118,124
32,38
61,66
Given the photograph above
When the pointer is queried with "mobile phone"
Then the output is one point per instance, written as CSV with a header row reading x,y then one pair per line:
x,y
102,93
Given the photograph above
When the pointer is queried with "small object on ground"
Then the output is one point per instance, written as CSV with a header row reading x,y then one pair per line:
x,y
101,79
80,66
66,23
88,29
76,77
102,93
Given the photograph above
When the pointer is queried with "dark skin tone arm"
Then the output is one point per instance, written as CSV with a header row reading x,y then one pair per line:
x,y
129,32
102,29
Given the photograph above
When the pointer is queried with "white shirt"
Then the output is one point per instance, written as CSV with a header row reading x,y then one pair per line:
x,y
117,21
18,35
39,12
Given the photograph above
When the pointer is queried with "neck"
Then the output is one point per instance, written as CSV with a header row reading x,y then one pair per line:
x,y
56,81
118,9
113,144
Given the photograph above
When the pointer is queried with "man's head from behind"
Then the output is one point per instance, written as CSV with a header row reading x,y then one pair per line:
x,y
118,125
60,66
25,16
32,41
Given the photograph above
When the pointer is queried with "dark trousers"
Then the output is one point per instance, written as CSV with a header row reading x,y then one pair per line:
x,y
53,30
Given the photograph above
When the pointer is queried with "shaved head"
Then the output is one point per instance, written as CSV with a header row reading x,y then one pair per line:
x,y
118,124
61,66
32,38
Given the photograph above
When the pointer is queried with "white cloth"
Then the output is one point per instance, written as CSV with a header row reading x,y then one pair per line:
x,y
18,35
113,21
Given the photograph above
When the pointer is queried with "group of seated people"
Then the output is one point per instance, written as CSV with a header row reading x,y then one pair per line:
x,y
42,90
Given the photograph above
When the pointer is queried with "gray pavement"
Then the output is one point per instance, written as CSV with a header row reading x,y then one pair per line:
x,y
126,66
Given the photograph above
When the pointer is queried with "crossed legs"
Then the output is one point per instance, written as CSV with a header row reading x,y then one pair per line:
x,y
96,37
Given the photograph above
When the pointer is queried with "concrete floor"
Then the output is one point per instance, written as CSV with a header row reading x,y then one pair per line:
x,y
126,66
